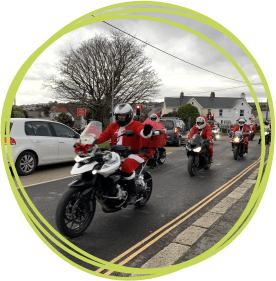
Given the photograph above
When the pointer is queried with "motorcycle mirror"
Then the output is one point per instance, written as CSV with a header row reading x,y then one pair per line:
x,y
128,133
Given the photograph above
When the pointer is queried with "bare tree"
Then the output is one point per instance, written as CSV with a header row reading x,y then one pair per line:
x,y
85,74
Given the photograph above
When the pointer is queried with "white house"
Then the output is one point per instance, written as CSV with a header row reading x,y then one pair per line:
x,y
226,110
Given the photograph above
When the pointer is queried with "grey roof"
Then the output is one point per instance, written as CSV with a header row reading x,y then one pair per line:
x,y
205,102
156,110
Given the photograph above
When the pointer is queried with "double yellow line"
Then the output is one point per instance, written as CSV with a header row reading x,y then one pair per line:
x,y
175,221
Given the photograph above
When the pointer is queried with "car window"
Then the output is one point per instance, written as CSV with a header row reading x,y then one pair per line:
x,y
29,129
37,128
63,131
168,124
10,127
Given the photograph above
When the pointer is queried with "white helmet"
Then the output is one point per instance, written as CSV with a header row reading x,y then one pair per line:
x,y
200,120
241,122
154,117
123,109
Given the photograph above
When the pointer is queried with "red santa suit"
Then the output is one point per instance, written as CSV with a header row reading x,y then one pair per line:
x,y
206,133
254,127
135,143
155,125
242,130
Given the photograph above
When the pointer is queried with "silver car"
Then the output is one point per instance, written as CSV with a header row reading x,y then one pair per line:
x,y
36,142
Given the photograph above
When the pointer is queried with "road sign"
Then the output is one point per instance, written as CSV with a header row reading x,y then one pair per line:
x,y
81,112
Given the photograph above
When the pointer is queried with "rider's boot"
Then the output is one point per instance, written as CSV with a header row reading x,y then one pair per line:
x,y
131,185
211,159
246,150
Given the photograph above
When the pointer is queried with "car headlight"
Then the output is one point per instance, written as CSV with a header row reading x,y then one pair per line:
x,y
198,149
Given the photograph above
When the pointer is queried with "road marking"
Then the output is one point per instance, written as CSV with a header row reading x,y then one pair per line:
x,y
215,193
46,181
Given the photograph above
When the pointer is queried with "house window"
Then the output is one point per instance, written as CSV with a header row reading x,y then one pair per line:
x,y
209,111
241,112
220,112
174,110
192,102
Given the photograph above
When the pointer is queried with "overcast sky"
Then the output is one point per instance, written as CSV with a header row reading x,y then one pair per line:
x,y
177,76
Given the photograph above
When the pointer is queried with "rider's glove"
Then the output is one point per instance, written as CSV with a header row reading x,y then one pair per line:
x,y
95,141
147,129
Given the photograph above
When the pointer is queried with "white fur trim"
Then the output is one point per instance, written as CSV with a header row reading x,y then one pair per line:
x,y
136,157
130,177
145,137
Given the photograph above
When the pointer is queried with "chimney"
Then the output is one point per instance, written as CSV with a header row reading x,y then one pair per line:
x,y
212,95
243,96
181,98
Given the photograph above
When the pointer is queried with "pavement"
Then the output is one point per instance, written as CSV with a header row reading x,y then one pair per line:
x,y
206,231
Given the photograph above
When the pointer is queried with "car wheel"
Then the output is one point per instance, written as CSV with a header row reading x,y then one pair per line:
x,y
178,142
26,163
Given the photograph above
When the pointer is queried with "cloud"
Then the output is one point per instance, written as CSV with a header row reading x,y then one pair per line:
x,y
176,75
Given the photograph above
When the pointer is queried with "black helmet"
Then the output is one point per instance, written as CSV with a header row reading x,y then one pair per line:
x,y
123,109
266,122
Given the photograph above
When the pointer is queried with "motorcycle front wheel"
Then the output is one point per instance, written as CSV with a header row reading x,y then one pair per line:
x,y
74,212
147,192
236,152
161,160
192,169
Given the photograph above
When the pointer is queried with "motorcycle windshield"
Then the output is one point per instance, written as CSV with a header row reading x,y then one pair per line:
x,y
91,132
195,140
267,129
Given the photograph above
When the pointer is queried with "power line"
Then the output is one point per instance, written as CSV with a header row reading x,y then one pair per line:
x,y
175,56
225,89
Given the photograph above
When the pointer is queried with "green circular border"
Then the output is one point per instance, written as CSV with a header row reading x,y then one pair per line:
x,y
80,254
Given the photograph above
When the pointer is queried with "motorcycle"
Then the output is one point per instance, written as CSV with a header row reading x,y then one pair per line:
x,y
198,155
156,152
215,133
238,144
267,136
251,135
99,180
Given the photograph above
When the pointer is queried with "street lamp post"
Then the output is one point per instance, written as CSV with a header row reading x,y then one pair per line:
x,y
112,91
113,70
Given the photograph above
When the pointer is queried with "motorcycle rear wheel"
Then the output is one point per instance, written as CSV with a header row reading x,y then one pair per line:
x,y
192,169
76,210
147,192
162,159
236,152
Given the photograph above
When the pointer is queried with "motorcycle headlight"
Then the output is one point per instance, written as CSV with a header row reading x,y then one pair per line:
x,y
236,139
266,133
198,149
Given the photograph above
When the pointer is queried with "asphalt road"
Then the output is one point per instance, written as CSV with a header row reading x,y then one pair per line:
x,y
174,192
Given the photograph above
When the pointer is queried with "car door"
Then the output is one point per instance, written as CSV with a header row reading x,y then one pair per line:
x,y
44,141
66,138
